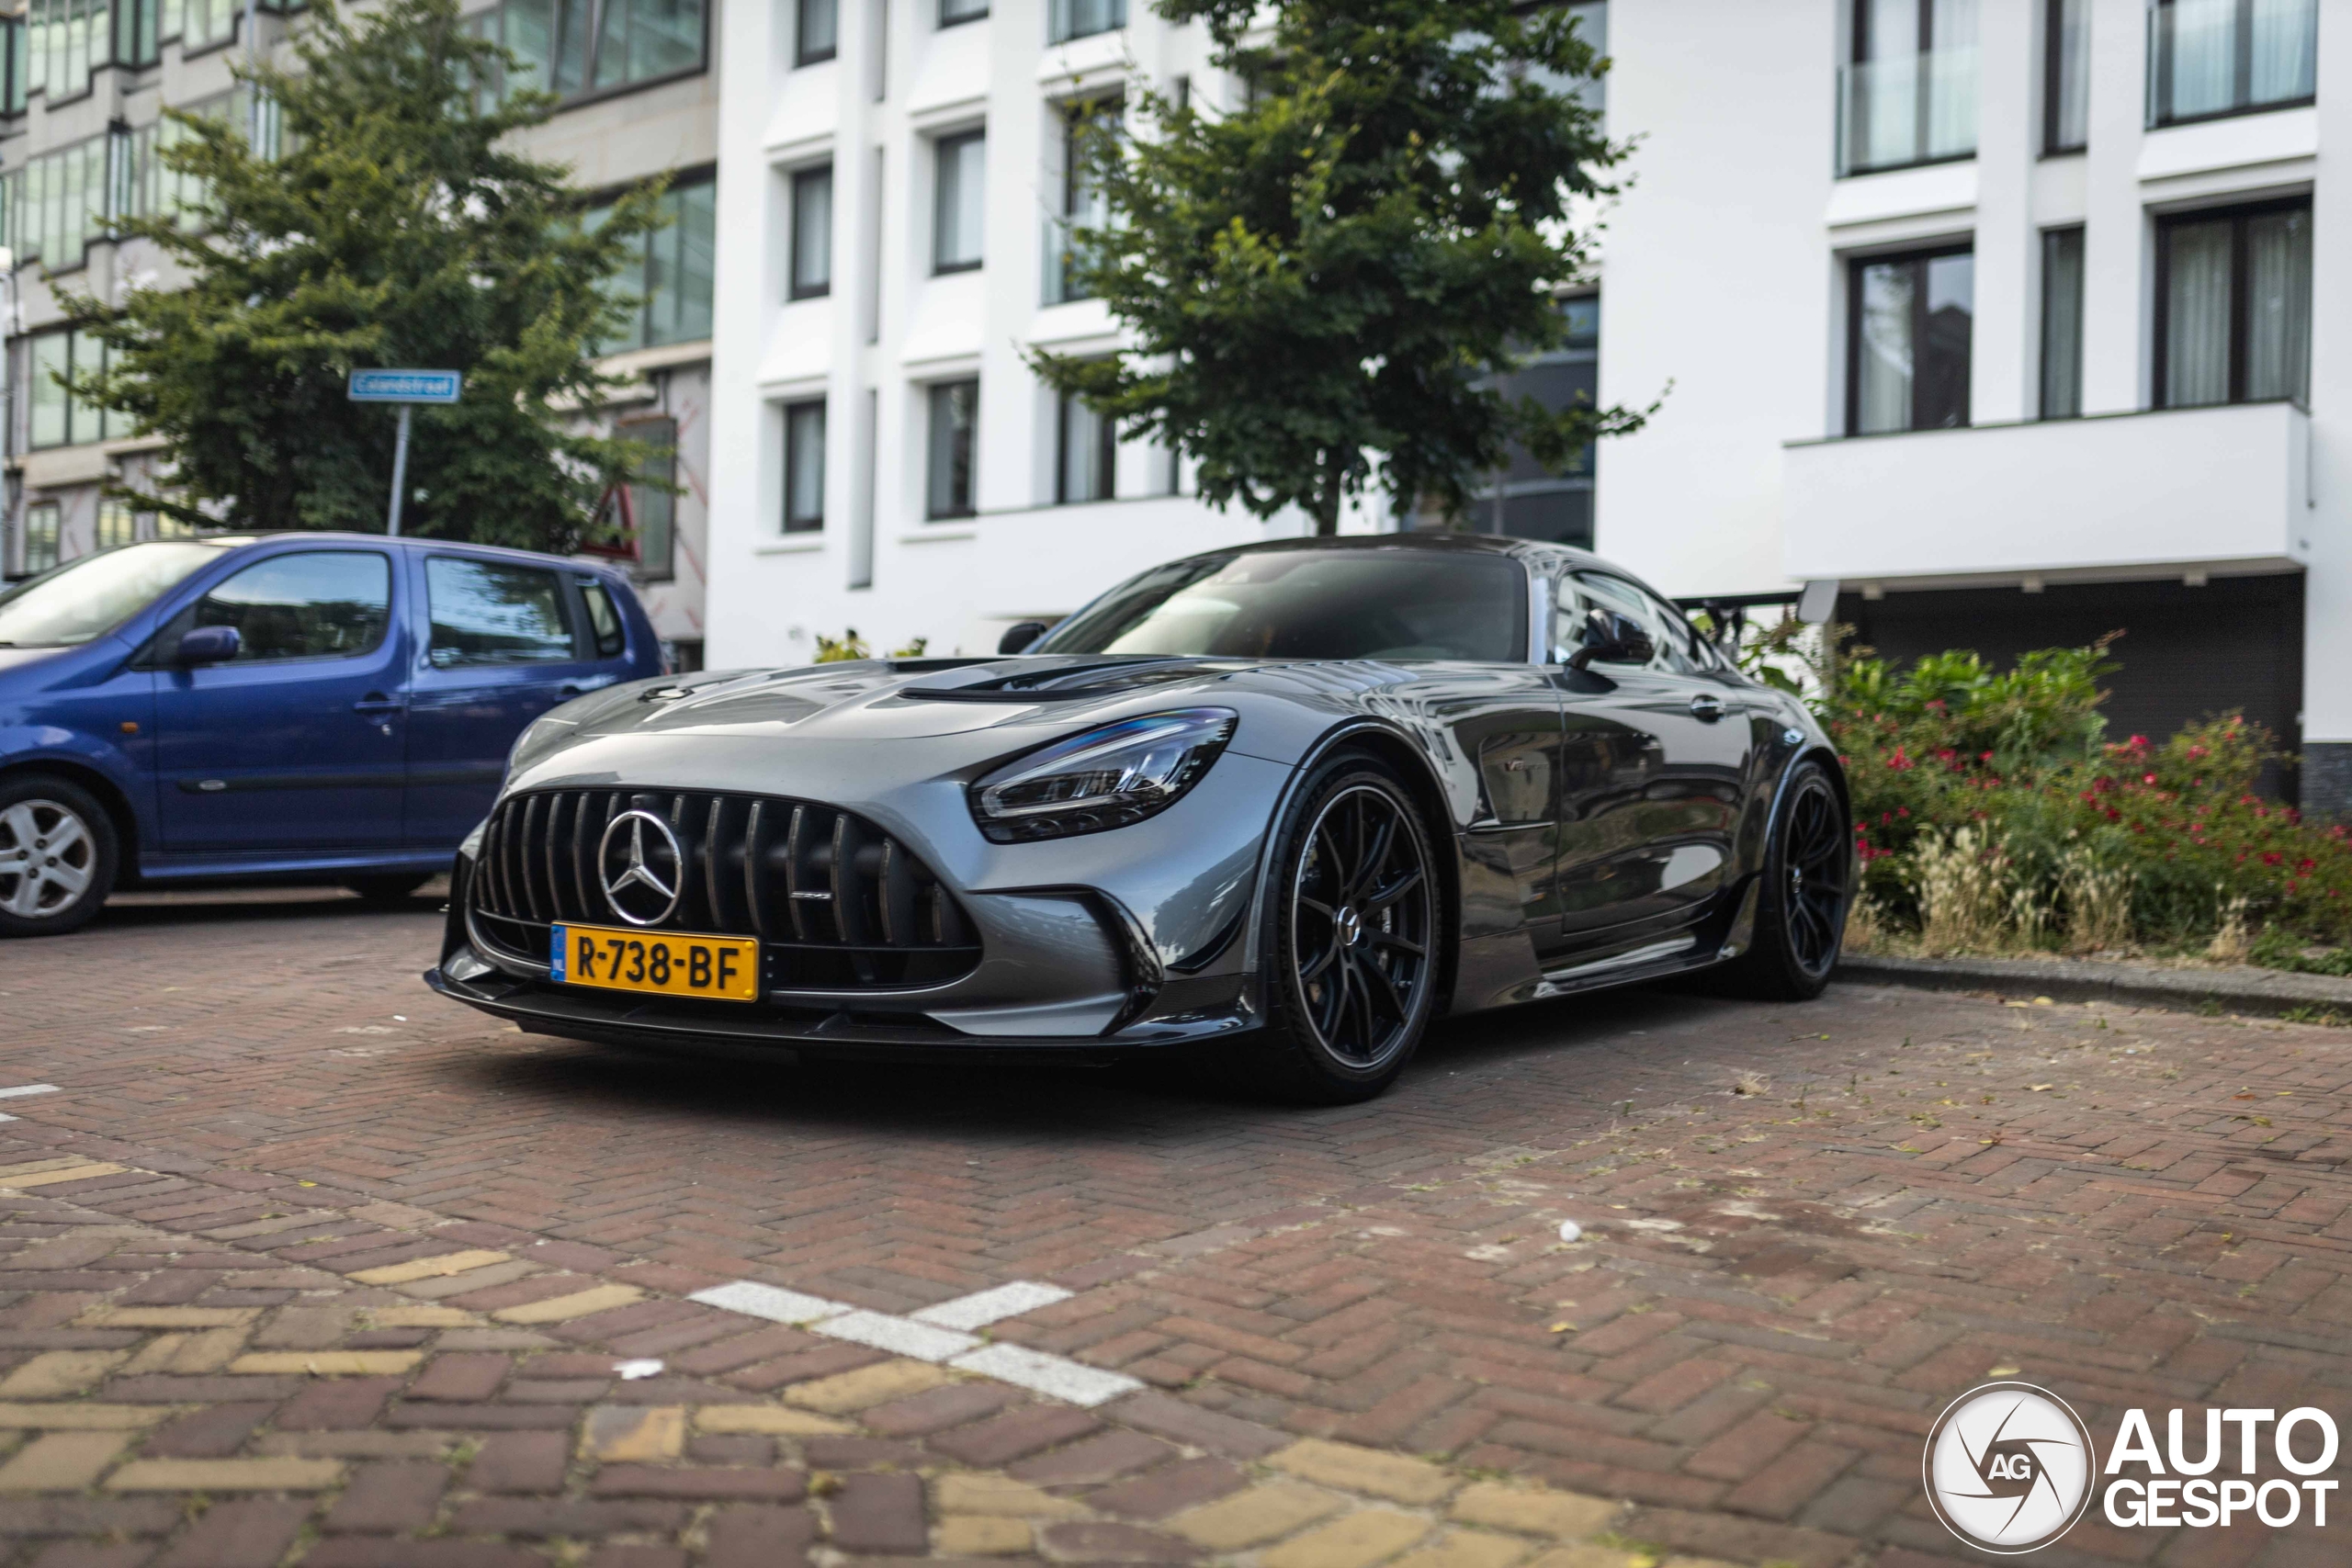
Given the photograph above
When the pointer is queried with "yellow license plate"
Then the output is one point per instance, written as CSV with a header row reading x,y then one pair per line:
x,y
721,968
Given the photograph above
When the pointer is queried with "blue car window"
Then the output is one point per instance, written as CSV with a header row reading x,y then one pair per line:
x,y
316,604
490,613
603,619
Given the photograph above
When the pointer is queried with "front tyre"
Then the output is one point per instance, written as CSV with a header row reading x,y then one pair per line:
x,y
1801,908
1353,938
387,891
57,856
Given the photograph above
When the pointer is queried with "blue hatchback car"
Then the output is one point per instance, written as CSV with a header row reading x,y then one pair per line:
x,y
280,707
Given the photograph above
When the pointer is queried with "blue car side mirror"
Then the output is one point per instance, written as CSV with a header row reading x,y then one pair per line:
x,y
207,644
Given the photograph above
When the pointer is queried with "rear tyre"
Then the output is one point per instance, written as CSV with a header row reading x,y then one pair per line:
x,y
388,889
1801,908
1354,935
59,854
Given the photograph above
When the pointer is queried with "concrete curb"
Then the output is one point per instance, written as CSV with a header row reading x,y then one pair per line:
x,y
2262,992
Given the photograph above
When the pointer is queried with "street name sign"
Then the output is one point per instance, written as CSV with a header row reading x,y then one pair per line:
x,y
405,386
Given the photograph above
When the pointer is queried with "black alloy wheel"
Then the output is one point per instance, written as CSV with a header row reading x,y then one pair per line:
x,y
1801,908
1356,937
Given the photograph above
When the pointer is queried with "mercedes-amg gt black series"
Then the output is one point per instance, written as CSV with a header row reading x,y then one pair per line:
x,y
1282,805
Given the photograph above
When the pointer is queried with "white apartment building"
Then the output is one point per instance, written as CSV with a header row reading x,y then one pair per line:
x,y
84,85
2024,319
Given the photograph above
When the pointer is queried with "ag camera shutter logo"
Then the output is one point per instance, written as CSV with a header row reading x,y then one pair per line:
x,y
2009,1467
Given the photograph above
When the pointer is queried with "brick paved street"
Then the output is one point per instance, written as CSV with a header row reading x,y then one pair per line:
x,y
1776,1290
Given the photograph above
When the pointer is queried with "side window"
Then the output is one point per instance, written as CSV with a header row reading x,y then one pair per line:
x,y
316,604
604,619
490,613
1583,591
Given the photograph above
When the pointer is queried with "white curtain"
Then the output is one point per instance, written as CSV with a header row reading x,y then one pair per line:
x,y
2196,314
2279,306
2285,50
2202,55
1883,364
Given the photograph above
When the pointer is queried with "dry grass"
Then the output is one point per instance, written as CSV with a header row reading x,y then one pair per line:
x,y
1966,904
2099,903
2232,942
1751,1083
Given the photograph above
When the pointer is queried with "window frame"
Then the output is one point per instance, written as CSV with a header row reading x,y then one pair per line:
x,y
797,287
1920,257
802,55
2160,54
802,409
181,623
1858,55
592,29
54,531
681,182
939,147
936,396
1059,20
946,20
2238,214
1066,407
2054,72
665,458
2051,239
565,607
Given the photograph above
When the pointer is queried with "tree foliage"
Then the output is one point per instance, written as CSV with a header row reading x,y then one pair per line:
x,y
395,228
1319,284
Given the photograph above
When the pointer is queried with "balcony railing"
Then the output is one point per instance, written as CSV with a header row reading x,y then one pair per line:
x,y
2210,58
1906,109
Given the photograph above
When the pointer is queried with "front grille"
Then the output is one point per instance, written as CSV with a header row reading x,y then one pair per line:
x,y
837,904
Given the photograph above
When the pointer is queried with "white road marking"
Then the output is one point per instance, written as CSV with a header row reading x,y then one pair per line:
x,y
900,1335
984,1307
25,1089
1054,1376
755,1300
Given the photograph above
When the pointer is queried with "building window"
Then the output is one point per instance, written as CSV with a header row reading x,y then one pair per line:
x,y
804,466
117,524
1524,499
578,48
812,232
953,11
2066,76
653,497
12,65
1066,19
1087,445
1908,96
2062,323
955,420
41,536
2208,58
959,204
138,35
669,294
818,33
56,417
2233,306
1082,206
1908,342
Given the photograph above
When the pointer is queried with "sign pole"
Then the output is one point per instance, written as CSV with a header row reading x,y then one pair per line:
x,y
400,472
406,388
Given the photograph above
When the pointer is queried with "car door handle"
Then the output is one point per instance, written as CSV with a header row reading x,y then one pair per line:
x,y
376,705
1707,707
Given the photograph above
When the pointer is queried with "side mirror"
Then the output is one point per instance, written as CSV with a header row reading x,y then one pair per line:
x,y
1020,634
207,644
1613,637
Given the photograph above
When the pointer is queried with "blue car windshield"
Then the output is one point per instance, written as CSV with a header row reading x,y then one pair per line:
x,y
87,598
1395,604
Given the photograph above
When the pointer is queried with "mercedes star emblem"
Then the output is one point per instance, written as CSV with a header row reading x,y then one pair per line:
x,y
642,871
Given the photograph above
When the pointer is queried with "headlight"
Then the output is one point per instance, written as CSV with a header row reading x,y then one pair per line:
x,y
1106,778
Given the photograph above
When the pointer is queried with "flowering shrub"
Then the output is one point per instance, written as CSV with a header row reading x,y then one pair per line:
x,y
2170,841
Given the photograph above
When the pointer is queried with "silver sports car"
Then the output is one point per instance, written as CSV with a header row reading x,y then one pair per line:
x,y
1282,804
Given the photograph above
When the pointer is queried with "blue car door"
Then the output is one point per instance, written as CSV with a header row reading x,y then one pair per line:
x,y
295,744
501,643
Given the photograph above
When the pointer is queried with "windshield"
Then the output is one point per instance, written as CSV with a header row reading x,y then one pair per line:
x,y
1396,604
87,598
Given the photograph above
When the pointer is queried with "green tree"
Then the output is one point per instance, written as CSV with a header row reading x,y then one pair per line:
x,y
397,227
1319,285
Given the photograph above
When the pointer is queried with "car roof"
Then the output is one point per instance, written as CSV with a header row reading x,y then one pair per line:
x,y
408,542
1428,539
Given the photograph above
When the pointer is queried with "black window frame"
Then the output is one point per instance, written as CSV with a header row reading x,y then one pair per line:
x,y
1066,405
2160,87
801,53
802,407
659,433
1059,21
592,29
940,147
2053,71
946,20
1858,54
1921,257
935,396
2240,301
565,601
797,287
2052,239
186,618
